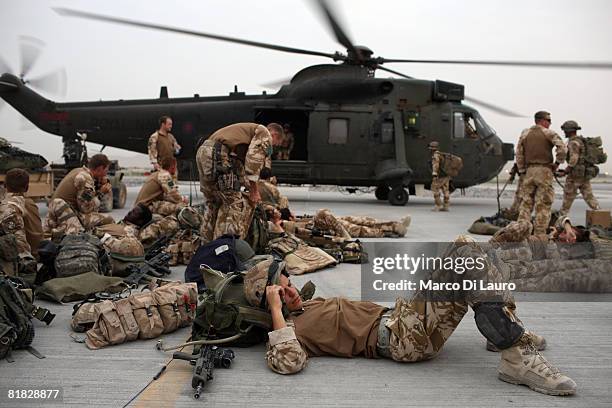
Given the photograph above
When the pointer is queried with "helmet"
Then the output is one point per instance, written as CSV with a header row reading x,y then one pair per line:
x,y
189,218
570,125
434,145
257,279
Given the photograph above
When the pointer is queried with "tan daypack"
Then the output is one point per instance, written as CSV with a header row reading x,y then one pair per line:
x,y
299,257
451,165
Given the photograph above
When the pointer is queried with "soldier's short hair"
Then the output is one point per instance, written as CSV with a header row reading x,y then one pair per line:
x,y
17,180
265,173
540,115
167,163
162,120
98,160
277,128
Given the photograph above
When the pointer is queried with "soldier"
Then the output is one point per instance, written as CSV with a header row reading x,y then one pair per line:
x,y
278,141
19,216
270,195
534,159
231,157
73,208
288,142
412,331
440,181
575,181
162,143
160,193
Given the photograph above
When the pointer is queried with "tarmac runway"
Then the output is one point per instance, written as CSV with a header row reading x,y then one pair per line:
x,y
463,374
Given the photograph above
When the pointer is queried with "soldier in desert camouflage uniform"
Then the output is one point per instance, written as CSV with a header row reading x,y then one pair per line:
x,y
160,193
19,216
440,183
73,208
535,163
414,330
230,158
573,181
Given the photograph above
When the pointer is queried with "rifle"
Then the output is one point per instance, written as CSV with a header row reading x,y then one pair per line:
x,y
155,267
157,247
209,357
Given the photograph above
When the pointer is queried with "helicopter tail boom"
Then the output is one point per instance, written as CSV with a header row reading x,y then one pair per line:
x,y
39,110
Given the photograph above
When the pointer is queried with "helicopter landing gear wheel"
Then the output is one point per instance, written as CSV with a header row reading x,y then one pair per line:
x,y
398,196
120,198
382,193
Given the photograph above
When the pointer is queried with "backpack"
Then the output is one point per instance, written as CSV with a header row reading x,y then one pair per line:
x,y
224,312
258,235
591,155
219,255
451,165
81,253
16,312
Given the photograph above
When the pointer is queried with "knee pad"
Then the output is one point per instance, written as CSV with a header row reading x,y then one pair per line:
x,y
495,324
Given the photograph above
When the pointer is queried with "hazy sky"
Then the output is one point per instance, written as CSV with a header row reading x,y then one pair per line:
x,y
107,61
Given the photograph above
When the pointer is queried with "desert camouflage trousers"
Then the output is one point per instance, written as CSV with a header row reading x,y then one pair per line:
x,y
62,219
419,327
159,227
518,196
165,208
368,227
440,187
570,191
227,212
538,192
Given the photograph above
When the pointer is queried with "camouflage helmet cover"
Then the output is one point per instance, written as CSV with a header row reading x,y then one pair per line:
x,y
570,125
256,280
189,217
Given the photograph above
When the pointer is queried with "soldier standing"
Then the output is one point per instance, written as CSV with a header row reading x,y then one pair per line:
x,y
162,143
288,142
534,159
440,181
231,157
575,171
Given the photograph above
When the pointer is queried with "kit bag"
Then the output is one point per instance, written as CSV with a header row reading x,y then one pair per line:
x,y
451,164
16,328
81,253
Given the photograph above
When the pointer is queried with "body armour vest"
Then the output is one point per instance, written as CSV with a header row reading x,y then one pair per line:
x,y
537,147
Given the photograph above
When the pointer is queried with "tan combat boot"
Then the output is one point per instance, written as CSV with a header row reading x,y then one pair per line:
x,y
523,364
400,228
445,207
536,339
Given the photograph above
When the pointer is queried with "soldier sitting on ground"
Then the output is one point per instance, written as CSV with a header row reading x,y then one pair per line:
x,y
73,208
160,193
19,216
414,330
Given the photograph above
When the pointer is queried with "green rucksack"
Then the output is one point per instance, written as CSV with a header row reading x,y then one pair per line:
x,y
223,312
591,155
81,253
258,235
16,312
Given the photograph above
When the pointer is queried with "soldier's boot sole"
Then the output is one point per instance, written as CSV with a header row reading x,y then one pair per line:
x,y
536,387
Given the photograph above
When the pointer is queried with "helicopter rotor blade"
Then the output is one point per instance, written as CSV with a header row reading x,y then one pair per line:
x,y
134,23
31,48
532,64
54,82
339,32
487,105
4,67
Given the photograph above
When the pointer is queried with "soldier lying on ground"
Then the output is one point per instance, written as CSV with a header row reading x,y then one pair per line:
x,y
74,206
160,193
413,330
345,227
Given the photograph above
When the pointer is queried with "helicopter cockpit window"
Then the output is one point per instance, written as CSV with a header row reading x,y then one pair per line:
x,y
470,126
338,131
483,129
458,125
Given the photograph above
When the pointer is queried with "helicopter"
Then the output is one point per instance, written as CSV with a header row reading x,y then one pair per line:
x,y
350,127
